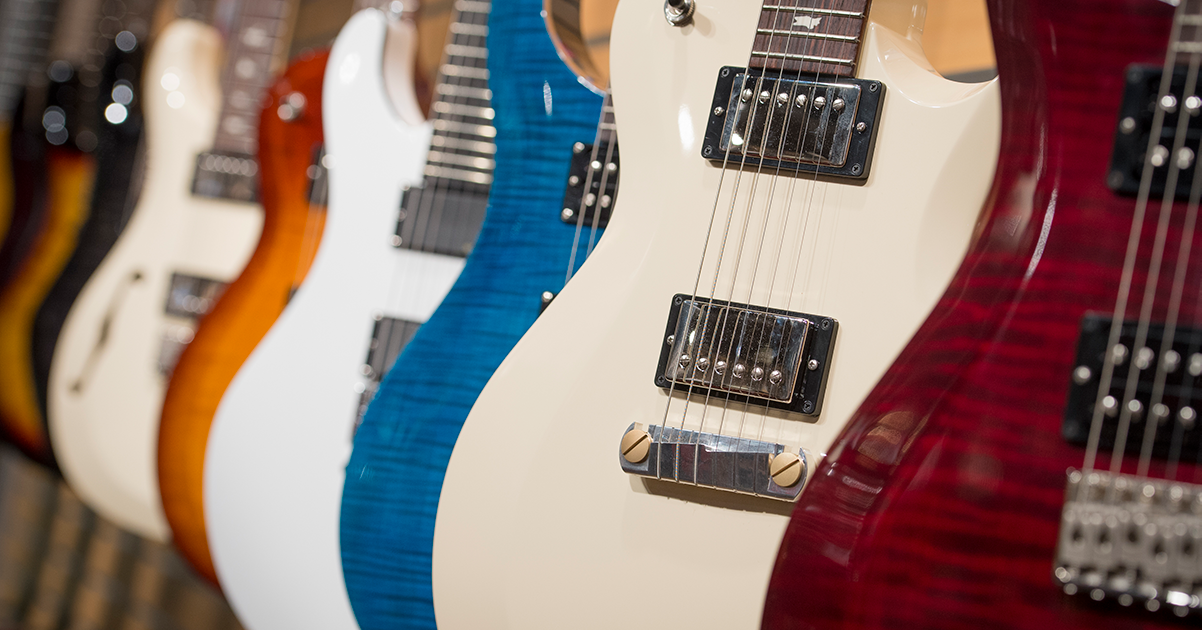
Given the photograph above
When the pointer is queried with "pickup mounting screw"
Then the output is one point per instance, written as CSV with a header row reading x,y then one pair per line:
x,y
1169,103
685,360
1110,406
800,101
1193,104
1127,125
702,364
746,94
720,367
1159,156
635,445
1195,364
574,180
718,110
395,240
819,102
757,373
1172,361
813,364
764,96
1144,357
782,98
578,147
670,340
775,377
547,297
1187,416
740,370
1119,354
567,214
786,469
837,105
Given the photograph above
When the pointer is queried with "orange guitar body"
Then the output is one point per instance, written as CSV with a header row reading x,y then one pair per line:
x,y
69,176
289,136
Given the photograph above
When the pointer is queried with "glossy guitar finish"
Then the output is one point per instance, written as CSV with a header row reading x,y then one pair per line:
x,y
69,177
292,223
281,437
105,389
940,505
402,447
568,533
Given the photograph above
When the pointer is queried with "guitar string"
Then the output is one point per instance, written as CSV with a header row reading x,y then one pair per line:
x,y
1133,241
705,309
314,223
612,145
586,189
749,402
1131,407
1157,412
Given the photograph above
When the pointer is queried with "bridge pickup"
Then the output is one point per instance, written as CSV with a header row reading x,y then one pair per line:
x,y
389,336
747,353
1176,410
715,461
597,202
1135,130
442,216
191,297
1131,539
793,123
229,176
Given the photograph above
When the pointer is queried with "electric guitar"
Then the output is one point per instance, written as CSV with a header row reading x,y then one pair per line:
x,y
292,191
193,229
520,261
798,188
80,140
1031,459
402,213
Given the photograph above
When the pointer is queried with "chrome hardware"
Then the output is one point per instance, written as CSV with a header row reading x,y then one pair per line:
x,y
291,107
815,134
1131,539
191,297
721,462
755,342
679,12
226,176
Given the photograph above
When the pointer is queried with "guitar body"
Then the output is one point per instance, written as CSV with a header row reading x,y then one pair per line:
x,y
27,159
105,390
401,449
69,176
538,522
941,503
247,308
281,437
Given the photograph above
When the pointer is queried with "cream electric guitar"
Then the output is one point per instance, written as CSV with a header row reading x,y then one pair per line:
x,y
281,437
635,458
193,229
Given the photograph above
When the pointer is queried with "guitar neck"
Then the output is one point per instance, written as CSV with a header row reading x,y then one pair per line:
x,y
256,41
25,33
815,36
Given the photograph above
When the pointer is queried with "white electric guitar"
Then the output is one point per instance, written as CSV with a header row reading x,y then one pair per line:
x,y
634,460
281,437
193,230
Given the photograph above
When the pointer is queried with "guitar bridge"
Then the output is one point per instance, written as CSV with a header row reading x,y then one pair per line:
x,y
1132,540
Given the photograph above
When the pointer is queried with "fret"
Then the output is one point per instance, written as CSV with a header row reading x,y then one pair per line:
x,y
448,89
475,146
773,31
443,158
458,174
793,35
1188,47
250,52
467,72
472,6
473,30
460,50
455,126
483,113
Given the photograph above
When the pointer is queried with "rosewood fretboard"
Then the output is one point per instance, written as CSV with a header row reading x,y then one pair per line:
x,y
819,36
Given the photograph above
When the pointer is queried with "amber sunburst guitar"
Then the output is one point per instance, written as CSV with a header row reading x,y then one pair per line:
x,y
292,190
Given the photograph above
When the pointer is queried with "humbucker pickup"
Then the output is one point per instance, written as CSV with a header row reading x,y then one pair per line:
x,y
191,297
389,335
596,204
1183,367
793,123
1131,539
747,353
226,176
443,216
1135,130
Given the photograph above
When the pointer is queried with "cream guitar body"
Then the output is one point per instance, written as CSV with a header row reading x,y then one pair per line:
x,y
108,374
538,524
281,437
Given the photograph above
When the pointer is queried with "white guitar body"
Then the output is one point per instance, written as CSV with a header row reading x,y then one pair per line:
x,y
281,437
538,526
105,390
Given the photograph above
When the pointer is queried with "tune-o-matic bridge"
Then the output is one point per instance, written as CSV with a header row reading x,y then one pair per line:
x,y
793,123
1131,539
740,352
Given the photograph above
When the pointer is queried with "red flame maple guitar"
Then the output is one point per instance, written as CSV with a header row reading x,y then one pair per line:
x,y
1031,459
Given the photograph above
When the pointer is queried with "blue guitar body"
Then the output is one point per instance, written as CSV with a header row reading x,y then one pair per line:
x,y
401,450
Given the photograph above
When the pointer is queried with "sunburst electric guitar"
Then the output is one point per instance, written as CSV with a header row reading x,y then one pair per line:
x,y
521,259
1032,458
798,188
293,193
193,229
402,213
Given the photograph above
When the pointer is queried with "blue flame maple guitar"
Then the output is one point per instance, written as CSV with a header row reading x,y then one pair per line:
x,y
401,450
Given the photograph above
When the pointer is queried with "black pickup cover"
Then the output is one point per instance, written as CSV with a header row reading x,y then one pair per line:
x,y
579,173
443,216
1135,129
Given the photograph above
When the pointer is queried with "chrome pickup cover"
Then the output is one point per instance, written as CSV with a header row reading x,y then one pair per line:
x,y
229,176
1131,539
713,461
747,352
793,123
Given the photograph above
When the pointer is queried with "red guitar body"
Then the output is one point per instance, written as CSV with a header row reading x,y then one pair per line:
x,y
940,505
